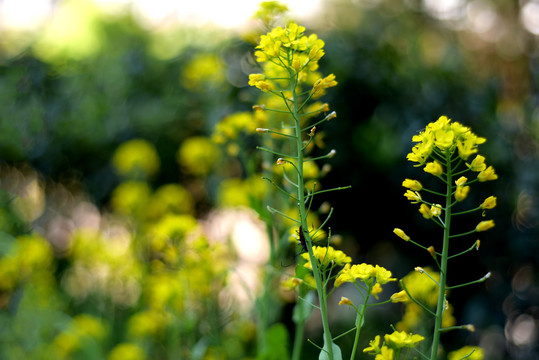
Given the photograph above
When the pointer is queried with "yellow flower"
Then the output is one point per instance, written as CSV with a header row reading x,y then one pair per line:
x,y
478,164
136,158
374,346
383,276
468,352
401,296
400,233
425,211
321,84
461,181
345,301
204,70
485,225
462,192
434,168
436,210
487,174
489,203
413,185
376,289
363,272
385,354
127,351
197,155
413,196
326,256
400,339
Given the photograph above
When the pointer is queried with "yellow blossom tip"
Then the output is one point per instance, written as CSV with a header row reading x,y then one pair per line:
x,y
431,251
331,115
345,301
469,327
477,244
261,130
281,161
313,130
259,107
332,153
400,233
419,269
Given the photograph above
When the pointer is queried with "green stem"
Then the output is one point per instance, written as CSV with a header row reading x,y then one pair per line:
x,y
320,288
359,323
443,264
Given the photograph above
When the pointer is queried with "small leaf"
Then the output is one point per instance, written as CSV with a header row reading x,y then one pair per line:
x,y
324,355
303,309
360,320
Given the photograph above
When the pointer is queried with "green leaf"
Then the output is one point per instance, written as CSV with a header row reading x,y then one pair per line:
x,y
359,319
337,355
303,309
275,344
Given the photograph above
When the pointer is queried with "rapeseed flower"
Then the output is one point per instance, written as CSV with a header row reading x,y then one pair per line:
x,y
400,233
489,203
485,225
434,168
413,185
468,352
326,256
400,339
136,159
441,136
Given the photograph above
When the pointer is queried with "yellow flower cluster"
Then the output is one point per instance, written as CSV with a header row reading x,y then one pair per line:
x,y
395,341
286,52
443,135
365,273
326,256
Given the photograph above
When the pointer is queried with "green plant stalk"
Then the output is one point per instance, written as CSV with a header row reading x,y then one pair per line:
x,y
443,264
320,288
359,322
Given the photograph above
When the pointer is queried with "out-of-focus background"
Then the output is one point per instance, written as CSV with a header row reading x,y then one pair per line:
x,y
131,199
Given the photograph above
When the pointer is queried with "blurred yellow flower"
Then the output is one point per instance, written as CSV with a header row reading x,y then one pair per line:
x,y
170,198
468,352
197,155
204,70
127,351
131,198
136,159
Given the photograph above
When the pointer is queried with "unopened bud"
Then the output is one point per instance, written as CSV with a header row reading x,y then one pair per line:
x,y
431,251
331,115
325,107
419,269
313,130
469,327
477,243
259,107
281,161
261,130
487,275
345,301
332,153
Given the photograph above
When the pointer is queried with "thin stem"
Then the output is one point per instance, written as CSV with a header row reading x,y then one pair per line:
x,y
443,264
360,318
303,219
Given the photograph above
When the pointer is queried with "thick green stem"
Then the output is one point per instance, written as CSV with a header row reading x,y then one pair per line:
x,y
443,264
320,288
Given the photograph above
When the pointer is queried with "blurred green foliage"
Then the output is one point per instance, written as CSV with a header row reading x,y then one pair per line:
x,y
66,113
